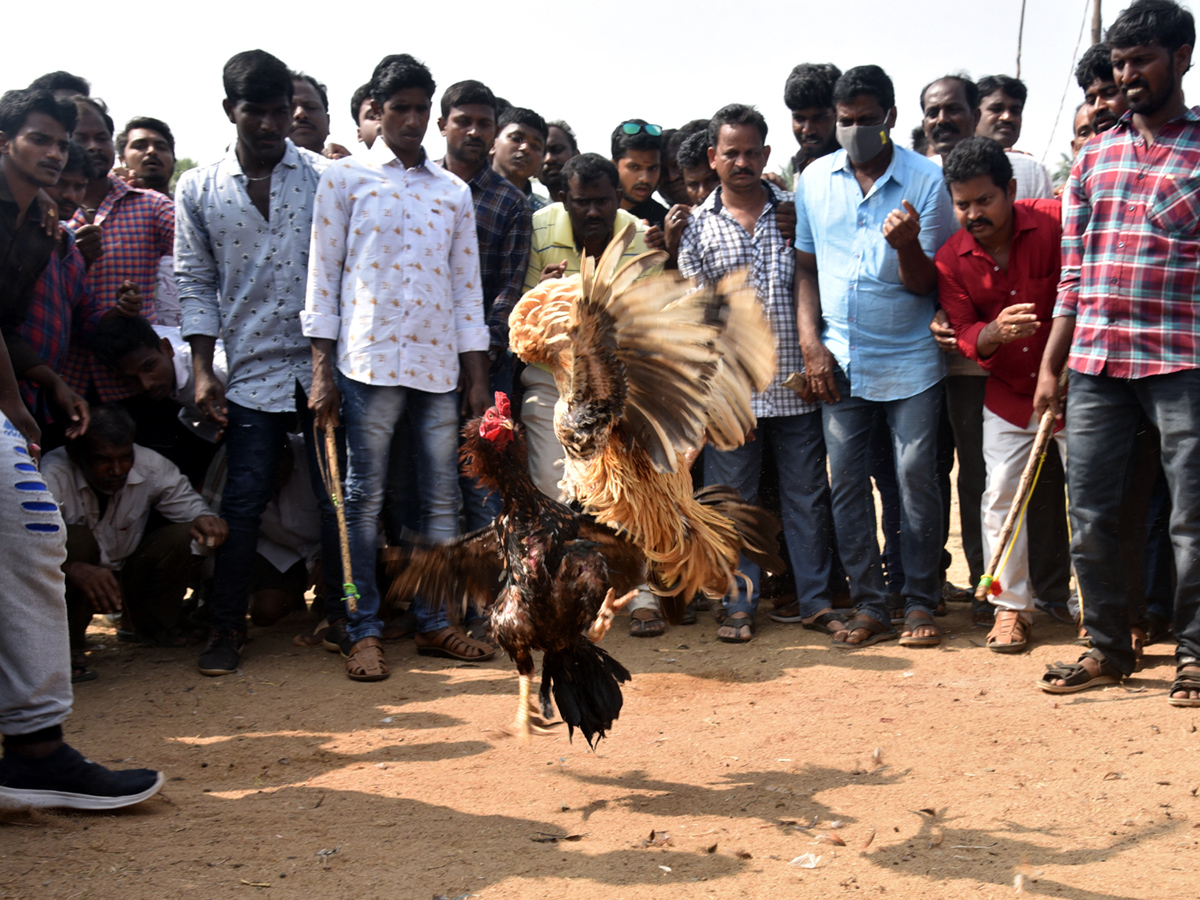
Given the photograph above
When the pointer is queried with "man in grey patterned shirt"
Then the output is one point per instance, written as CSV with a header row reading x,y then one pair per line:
x,y
241,259
734,229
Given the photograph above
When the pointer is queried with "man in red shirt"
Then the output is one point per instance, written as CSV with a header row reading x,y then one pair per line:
x,y
997,282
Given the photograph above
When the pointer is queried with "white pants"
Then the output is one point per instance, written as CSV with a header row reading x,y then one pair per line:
x,y
537,415
1006,449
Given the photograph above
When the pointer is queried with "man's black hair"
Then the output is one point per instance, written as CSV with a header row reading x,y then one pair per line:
x,y
975,156
565,129
110,424
322,91
360,96
117,336
811,85
920,141
1012,87
256,76
869,80
736,114
622,143
150,124
61,81
17,106
693,151
79,161
588,168
522,116
399,72
1144,22
468,93
682,133
1096,62
99,107
970,88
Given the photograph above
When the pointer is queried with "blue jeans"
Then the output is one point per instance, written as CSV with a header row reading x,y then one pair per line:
x,y
913,426
799,449
1102,420
371,413
254,444
883,470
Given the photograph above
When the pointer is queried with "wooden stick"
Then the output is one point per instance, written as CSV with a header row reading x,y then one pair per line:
x,y
334,485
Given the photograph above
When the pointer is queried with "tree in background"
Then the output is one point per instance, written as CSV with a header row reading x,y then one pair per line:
x,y
181,166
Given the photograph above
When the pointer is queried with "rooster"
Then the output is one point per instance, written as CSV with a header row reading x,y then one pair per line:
x,y
647,373
559,573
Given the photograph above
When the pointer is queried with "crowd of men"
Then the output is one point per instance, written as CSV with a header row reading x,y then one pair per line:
x,y
176,361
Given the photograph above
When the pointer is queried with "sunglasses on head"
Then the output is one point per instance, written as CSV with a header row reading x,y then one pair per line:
x,y
635,127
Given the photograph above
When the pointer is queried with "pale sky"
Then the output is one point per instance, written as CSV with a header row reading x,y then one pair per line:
x,y
590,64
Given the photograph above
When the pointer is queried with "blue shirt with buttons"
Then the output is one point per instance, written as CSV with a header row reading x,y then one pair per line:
x,y
876,329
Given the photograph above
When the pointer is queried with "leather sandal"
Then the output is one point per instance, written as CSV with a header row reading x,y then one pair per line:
x,y
1184,681
452,643
365,661
919,619
646,622
876,632
1076,678
1010,633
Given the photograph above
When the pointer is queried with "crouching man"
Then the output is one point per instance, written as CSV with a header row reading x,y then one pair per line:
x,y
106,487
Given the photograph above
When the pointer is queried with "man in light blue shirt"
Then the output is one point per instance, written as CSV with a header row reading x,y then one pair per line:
x,y
869,219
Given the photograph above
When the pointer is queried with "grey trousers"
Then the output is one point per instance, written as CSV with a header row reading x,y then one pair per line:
x,y
35,665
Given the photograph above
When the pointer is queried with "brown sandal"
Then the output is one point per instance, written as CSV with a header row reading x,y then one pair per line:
x,y
1010,633
365,661
646,622
451,643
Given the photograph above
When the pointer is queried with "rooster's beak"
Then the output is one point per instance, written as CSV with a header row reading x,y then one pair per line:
x,y
507,423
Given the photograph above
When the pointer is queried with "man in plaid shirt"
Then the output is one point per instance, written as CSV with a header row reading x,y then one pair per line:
x,y
735,229
1126,317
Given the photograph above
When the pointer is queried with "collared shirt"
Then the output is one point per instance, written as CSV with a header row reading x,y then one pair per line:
x,y
502,226
63,311
1033,181
973,290
153,483
241,277
714,244
139,230
554,241
394,271
185,382
535,201
25,249
876,329
1131,251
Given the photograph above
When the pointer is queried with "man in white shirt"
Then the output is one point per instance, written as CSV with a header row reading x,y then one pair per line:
x,y
106,486
394,300
1001,107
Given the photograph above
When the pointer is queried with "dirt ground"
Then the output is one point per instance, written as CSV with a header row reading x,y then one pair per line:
x,y
782,768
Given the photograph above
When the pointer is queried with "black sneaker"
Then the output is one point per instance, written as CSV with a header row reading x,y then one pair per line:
x,y
66,779
223,653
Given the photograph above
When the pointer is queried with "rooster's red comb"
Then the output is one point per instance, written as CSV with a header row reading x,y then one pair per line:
x,y
502,405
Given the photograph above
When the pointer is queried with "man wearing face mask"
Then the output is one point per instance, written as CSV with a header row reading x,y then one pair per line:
x,y
869,220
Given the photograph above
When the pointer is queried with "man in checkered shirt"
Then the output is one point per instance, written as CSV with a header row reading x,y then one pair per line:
x,y
734,229
1125,326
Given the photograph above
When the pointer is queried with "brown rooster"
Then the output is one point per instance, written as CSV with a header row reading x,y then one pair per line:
x,y
559,575
647,373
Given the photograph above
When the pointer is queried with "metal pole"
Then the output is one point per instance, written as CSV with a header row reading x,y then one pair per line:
x,y
1020,37
1096,29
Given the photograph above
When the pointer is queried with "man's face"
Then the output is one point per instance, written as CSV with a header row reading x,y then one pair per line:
x,y
150,157
150,372
739,157
1105,104
1082,130
670,185
1148,75
404,121
368,122
1000,119
639,171
517,153
469,131
38,151
558,151
68,193
700,181
948,116
105,466
262,127
982,207
864,109
310,119
593,210
96,140
815,130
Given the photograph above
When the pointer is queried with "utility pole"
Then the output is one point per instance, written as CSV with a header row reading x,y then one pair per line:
x,y
1020,37
1096,30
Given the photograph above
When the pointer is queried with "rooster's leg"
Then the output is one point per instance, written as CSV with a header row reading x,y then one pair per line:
x,y
529,718
604,618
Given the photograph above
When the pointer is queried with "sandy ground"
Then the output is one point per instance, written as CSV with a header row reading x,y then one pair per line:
x,y
781,768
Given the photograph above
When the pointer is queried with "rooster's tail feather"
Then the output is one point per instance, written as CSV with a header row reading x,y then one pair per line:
x,y
586,683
